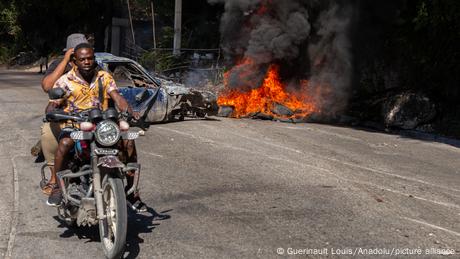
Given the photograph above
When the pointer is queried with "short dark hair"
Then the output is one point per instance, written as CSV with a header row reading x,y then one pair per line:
x,y
83,45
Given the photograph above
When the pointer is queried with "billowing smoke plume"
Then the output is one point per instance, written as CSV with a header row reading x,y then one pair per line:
x,y
330,59
309,37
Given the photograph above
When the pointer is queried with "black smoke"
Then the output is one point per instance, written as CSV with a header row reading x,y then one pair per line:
x,y
308,39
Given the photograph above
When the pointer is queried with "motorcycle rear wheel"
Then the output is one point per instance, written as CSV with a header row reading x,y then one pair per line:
x,y
113,228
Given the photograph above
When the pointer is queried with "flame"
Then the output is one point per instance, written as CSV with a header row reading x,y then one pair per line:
x,y
247,99
262,99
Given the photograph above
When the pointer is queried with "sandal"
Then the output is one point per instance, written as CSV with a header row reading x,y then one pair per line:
x,y
139,206
48,188
36,149
136,203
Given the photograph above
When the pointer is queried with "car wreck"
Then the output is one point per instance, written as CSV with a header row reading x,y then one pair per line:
x,y
154,97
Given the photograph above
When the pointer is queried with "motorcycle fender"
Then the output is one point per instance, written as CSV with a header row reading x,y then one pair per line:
x,y
110,162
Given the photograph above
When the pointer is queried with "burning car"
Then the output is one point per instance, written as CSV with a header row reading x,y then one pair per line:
x,y
155,98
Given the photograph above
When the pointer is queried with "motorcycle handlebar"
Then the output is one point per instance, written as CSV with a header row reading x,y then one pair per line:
x,y
59,116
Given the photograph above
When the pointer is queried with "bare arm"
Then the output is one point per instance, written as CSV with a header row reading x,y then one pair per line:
x,y
49,80
121,103
52,105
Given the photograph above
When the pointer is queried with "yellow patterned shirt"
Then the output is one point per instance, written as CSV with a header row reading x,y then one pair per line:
x,y
82,96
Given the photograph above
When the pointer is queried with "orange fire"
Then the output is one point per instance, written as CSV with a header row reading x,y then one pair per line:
x,y
262,99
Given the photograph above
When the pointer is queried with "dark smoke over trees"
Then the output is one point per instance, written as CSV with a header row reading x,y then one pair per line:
x,y
308,39
362,50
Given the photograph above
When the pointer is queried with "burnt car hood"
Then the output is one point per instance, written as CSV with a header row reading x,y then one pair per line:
x,y
171,87
158,98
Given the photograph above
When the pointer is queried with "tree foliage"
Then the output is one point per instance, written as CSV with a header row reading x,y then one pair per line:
x,y
42,26
200,21
416,41
46,24
10,30
428,41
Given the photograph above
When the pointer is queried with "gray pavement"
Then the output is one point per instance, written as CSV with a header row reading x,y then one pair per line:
x,y
245,188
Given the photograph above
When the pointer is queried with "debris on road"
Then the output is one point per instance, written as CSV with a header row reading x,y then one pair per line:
x,y
281,110
225,111
408,111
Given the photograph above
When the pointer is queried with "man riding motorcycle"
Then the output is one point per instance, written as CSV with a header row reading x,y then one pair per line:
x,y
50,131
87,87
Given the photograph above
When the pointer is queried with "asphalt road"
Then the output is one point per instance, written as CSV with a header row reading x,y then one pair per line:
x,y
244,189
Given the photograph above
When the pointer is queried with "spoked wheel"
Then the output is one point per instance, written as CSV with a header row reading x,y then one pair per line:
x,y
113,227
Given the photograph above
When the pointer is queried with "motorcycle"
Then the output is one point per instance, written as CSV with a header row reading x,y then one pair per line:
x,y
94,185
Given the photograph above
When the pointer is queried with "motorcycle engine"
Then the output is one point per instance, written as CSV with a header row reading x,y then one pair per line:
x,y
74,192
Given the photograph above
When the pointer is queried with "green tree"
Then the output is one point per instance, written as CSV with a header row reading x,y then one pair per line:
x,y
429,42
10,31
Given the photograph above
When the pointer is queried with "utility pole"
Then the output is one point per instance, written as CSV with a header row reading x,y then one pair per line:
x,y
177,27
131,23
153,26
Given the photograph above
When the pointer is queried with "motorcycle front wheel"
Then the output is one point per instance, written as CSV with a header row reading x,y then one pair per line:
x,y
113,228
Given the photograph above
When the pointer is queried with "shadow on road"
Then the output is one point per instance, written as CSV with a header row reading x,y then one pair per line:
x,y
89,233
138,224
410,134
405,134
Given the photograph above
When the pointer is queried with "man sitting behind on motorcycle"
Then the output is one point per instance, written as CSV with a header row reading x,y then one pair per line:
x,y
81,89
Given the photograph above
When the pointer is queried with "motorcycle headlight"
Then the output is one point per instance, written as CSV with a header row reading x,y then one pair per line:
x,y
107,133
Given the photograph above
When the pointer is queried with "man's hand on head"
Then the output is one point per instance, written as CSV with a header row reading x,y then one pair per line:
x,y
49,80
68,54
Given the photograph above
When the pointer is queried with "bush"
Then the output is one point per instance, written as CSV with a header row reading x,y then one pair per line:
x,y
159,60
5,55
